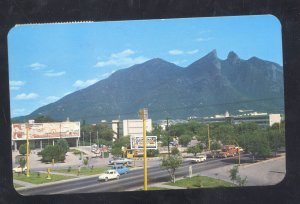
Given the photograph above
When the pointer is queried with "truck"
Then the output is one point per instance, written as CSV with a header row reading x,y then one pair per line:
x,y
227,151
198,159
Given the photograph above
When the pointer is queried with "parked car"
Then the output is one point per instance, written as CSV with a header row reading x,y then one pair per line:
x,y
123,161
19,169
112,161
198,159
108,175
121,169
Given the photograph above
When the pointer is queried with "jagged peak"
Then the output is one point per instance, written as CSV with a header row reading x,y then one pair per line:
x,y
212,54
232,57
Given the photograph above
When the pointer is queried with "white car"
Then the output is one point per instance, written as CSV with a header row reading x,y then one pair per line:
x,y
123,161
19,169
108,175
199,159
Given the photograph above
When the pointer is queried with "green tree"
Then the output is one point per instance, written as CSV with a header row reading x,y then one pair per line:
x,y
235,177
23,149
258,145
175,151
185,139
276,137
22,162
43,119
152,152
171,163
55,152
157,131
215,146
195,149
118,144
86,161
64,144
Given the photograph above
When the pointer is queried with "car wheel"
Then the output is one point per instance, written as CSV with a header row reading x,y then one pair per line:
x,y
106,179
118,177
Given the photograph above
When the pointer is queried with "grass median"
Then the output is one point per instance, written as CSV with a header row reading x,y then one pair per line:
x,y
83,171
200,182
40,178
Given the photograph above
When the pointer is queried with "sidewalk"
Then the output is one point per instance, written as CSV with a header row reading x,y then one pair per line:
x,y
24,184
162,185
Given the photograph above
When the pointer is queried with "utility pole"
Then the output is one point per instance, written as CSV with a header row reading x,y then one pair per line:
x,y
208,137
83,142
27,151
97,139
91,140
144,115
167,130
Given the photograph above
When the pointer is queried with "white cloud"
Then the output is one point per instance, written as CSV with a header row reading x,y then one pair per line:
x,y
180,62
105,75
181,52
16,85
123,58
67,93
79,84
176,52
51,73
24,96
36,66
191,52
52,98
203,39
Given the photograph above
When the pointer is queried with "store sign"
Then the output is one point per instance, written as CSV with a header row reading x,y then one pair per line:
x,y
137,142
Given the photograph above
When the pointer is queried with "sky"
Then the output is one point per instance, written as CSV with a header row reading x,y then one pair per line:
x,y
50,61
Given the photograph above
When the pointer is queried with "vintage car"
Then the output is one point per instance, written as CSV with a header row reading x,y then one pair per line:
x,y
109,175
121,169
198,159
19,169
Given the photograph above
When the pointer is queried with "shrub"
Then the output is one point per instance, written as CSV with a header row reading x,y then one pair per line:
x,y
22,149
152,152
55,152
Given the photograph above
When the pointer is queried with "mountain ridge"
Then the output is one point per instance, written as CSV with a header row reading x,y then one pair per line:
x,y
169,90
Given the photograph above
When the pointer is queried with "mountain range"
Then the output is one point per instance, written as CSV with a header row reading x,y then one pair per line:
x,y
206,87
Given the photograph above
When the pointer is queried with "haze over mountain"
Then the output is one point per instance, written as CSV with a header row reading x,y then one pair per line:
x,y
206,87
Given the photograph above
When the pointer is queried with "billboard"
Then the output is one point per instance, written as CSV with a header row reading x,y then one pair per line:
x,y
45,130
136,142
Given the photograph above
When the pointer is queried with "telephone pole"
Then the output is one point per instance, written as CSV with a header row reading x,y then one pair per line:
x,y
144,116
167,130
208,137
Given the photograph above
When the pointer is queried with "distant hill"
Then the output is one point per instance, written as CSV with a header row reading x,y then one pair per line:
x,y
206,87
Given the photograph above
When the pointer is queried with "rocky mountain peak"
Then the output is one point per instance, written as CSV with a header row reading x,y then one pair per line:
x,y
232,57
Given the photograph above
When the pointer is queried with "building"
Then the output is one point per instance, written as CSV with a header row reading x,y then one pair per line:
x,y
130,127
262,119
42,134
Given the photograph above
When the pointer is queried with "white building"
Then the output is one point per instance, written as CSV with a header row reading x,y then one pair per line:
x,y
132,127
135,127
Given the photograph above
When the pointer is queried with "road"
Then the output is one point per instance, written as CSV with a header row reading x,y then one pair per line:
x,y
133,179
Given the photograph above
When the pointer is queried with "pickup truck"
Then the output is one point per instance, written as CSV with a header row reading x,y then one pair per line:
x,y
198,159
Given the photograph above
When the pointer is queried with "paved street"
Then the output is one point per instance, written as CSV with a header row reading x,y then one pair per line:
x,y
268,172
